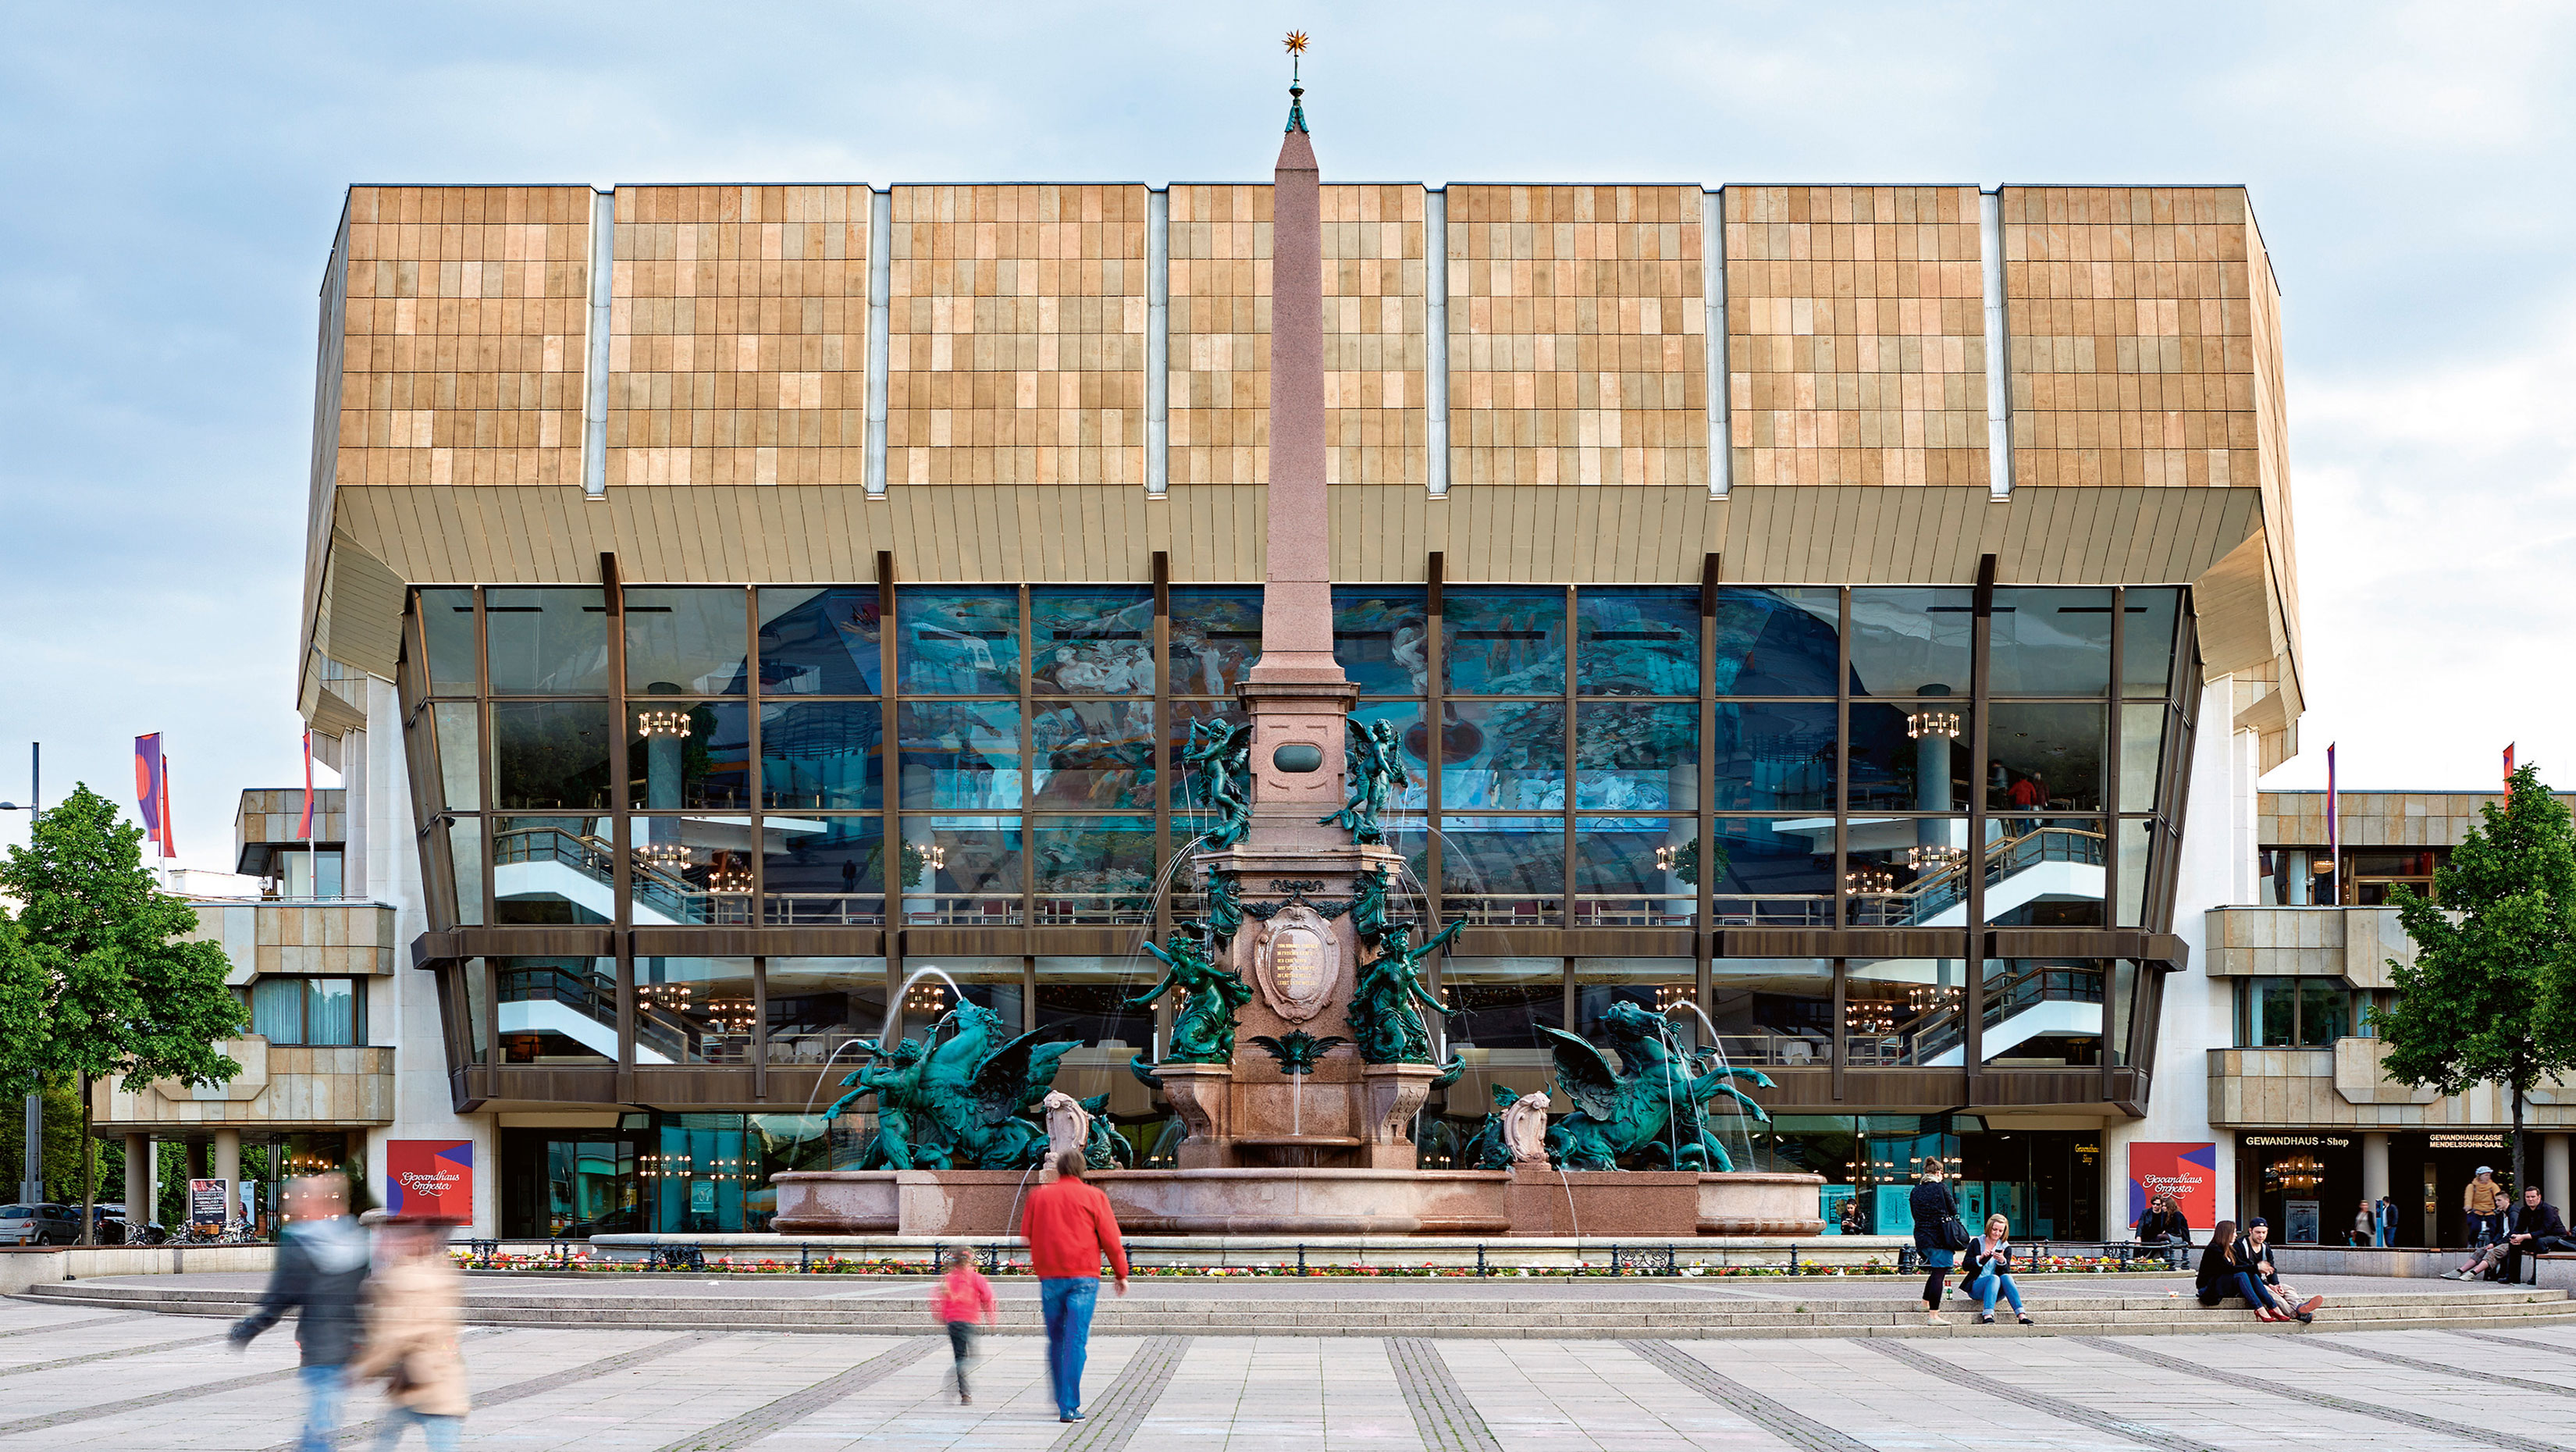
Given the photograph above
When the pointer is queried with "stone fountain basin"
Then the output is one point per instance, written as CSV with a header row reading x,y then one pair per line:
x,y
1528,1200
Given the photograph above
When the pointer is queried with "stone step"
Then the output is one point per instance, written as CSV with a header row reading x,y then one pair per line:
x,y
1447,1317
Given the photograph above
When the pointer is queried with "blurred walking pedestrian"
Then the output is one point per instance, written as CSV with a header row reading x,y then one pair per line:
x,y
964,1300
413,1307
321,1268
1069,1227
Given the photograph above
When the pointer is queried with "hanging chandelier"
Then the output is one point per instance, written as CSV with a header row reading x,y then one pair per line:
x,y
1919,724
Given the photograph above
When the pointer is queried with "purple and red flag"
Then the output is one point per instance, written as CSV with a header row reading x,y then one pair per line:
x,y
152,791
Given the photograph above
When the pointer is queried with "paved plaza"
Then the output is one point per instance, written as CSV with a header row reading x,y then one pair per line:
x,y
81,1376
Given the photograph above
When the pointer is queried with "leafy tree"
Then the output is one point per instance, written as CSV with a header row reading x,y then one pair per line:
x,y
118,997
60,1169
2476,1006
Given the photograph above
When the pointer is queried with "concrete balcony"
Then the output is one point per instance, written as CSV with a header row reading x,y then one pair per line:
x,y
298,935
281,1086
2351,943
2344,1088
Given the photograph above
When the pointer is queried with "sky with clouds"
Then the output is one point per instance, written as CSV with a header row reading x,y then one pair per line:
x,y
173,175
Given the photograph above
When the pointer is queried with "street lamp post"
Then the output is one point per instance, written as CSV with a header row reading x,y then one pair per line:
x,y
31,1180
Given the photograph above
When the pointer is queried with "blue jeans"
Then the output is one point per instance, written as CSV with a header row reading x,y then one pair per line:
x,y
1992,1281
439,1432
1067,1302
323,1388
2255,1292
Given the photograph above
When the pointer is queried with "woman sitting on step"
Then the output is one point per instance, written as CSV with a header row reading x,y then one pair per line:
x,y
2225,1272
1990,1270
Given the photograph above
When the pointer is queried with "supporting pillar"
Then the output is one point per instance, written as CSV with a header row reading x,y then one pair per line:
x,y
2374,1165
198,1167
228,1170
138,1181
2554,1186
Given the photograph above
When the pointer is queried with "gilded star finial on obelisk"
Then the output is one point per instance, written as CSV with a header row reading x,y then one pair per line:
x,y
1296,92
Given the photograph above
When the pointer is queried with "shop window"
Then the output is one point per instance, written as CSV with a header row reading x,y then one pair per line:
x,y
1216,636
1903,1013
821,642
1502,641
549,642
1636,641
315,1012
686,642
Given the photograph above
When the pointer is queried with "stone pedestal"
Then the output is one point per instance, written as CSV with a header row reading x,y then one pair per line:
x,y
1390,1095
1203,1096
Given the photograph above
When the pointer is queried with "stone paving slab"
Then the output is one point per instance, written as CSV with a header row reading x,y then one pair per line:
x,y
593,1388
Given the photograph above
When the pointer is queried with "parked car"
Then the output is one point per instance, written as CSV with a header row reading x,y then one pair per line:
x,y
111,1225
46,1224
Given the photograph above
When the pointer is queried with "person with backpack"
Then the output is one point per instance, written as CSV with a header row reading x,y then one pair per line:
x,y
1989,1271
1938,1236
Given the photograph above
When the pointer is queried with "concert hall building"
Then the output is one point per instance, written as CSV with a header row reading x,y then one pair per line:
x,y
1850,618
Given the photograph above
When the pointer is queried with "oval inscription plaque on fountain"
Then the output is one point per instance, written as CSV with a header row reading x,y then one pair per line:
x,y
1298,962
1298,757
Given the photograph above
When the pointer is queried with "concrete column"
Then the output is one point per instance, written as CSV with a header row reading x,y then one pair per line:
x,y
2554,1186
228,1164
138,1180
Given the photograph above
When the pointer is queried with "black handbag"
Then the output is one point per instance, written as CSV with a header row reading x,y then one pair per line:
x,y
1952,1233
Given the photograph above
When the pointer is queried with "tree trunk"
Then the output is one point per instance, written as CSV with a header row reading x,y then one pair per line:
x,y
89,1173
2518,1180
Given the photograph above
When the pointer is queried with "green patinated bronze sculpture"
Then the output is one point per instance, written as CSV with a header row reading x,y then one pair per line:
x,y
1219,758
1386,1009
1368,904
958,1102
1224,904
1374,758
1650,1113
1203,1029
1298,1052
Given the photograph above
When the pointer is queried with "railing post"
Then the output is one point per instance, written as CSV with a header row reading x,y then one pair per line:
x,y
1793,1257
1480,1260
1301,1258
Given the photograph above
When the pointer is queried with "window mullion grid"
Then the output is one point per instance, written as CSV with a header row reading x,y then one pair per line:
x,y
1566,792
755,775
1842,780
1028,770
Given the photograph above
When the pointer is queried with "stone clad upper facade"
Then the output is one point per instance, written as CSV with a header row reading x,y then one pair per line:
x,y
2141,332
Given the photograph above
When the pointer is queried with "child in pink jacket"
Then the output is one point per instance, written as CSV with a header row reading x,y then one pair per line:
x,y
964,1300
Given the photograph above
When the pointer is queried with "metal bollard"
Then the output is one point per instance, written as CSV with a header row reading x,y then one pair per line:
x,y
1301,1259
1480,1259
1793,1257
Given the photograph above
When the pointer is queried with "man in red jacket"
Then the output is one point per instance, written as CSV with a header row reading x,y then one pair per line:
x,y
1069,1228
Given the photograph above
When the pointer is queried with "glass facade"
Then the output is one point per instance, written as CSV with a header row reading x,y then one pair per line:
x,y
1674,764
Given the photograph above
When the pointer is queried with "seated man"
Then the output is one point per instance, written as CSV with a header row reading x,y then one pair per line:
x,y
2483,1263
2534,1227
2258,1254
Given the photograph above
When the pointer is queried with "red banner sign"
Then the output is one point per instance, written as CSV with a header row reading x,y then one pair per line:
x,y
2187,1172
430,1179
